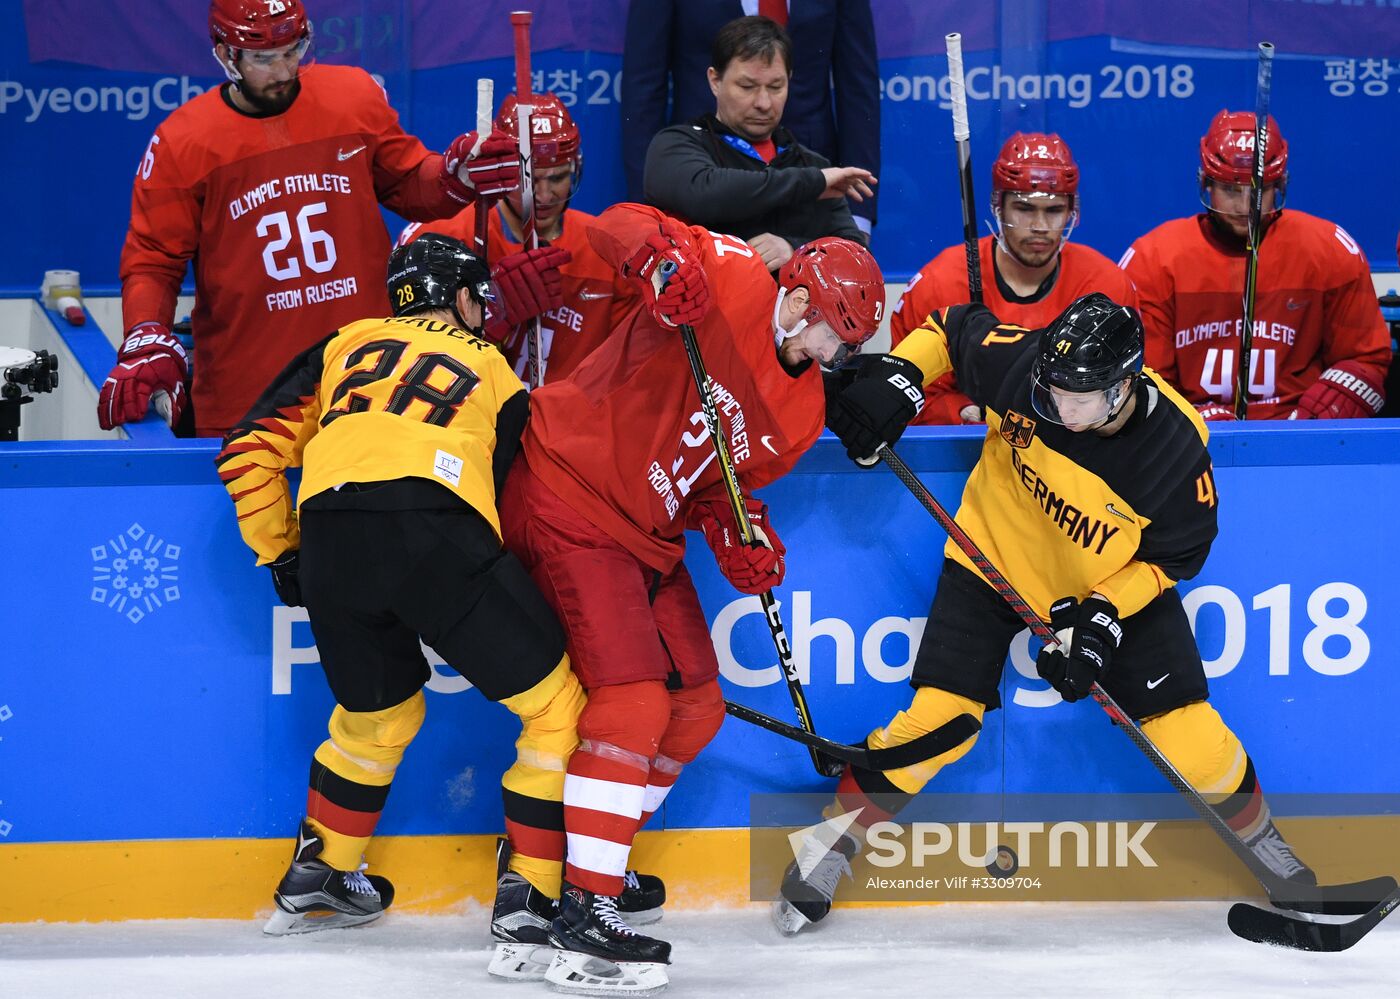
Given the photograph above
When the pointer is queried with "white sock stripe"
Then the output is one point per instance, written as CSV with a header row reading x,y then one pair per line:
x,y
603,795
600,856
654,796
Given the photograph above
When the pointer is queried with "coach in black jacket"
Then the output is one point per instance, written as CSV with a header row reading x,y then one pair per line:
x,y
737,171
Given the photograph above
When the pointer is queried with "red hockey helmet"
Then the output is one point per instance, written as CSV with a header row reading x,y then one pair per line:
x,y
1036,162
258,24
1227,150
845,287
555,141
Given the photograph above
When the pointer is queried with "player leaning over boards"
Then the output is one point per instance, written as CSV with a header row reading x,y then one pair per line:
x,y
1094,496
615,465
405,428
271,185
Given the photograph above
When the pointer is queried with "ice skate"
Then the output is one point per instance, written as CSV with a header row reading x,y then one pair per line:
x,y
599,954
520,922
642,897
807,900
1273,850
313,895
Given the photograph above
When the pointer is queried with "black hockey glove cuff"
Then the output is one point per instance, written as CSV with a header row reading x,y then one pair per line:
x,y
877,406
285,579
1089,633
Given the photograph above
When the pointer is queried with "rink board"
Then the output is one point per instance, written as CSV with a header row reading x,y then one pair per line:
x,y
152,688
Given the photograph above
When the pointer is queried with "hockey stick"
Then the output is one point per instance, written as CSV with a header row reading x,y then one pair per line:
x,y
1344,899
826,766
1263,926
485,97
947,736
520,22
1263,87
962,135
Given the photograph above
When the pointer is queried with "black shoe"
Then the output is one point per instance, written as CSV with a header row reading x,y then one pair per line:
x,y
313,895
642,897
806,900
590,924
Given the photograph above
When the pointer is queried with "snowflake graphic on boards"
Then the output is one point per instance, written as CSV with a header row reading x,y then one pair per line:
x,y
136,573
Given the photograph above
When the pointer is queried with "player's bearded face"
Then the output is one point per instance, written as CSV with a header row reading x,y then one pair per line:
x,y
1229,205
270,81
751,95
1033,225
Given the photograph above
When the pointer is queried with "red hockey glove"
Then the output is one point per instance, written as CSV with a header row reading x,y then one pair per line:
x,y
1215,411
752,568
530,283
672,281
477,169
1342,393
151,361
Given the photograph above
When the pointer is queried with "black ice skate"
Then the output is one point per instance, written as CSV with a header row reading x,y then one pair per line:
x,y
520,922
1270,847
313,895
642,897
599,954
806,900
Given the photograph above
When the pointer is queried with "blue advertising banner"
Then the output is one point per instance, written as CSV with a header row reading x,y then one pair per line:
x,y
1131,86
152,687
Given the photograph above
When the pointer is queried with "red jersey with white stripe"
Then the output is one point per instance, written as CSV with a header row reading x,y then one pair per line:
x,y
943,282
1315,305
596,296
623,441
280,215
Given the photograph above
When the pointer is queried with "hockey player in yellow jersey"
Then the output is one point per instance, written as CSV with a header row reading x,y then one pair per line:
x,y
1094,495
405,428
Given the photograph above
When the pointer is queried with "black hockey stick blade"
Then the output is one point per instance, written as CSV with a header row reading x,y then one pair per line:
x,y
947,736
1264,926
1351,899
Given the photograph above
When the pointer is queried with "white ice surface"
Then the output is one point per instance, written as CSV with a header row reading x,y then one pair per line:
x,y
1023,950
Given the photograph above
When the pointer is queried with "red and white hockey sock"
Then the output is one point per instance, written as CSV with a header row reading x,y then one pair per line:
x,y
663,776
605,786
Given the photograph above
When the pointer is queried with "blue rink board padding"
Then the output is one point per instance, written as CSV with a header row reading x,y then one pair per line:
x,y
151,686
1130,85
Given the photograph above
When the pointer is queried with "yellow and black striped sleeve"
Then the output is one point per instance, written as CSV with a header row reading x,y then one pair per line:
x,y
257,453
970,341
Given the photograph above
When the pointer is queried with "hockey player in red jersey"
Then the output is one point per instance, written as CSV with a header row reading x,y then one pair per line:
x,y
271,184
578,297
1320,349
615,465
1030,270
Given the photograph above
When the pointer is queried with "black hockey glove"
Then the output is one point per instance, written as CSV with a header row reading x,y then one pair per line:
x,y
284,578
877,406
1089,632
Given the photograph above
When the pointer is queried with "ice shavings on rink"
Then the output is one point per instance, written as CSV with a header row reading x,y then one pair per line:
x,y
1158,949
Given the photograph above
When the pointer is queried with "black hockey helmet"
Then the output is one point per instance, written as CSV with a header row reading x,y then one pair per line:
x,y
1087,351
427,273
